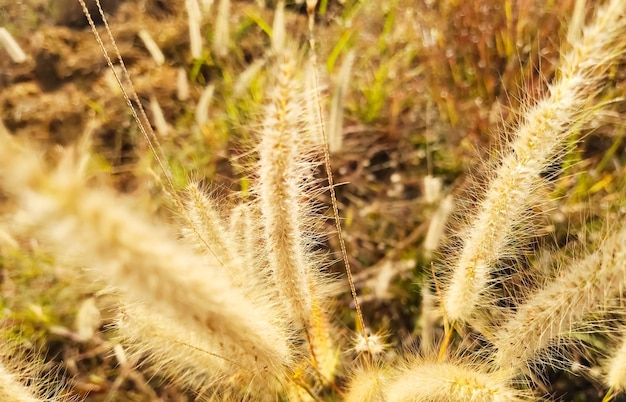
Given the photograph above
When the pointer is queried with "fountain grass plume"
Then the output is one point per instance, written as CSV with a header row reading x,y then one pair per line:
x,y
369,383
285,170
615,367
143,261
12,390
22,375
540,138
451,381
285,194
206,365
550,314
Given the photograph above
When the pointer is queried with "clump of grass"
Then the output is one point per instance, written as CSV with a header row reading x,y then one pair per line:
x,y
231,300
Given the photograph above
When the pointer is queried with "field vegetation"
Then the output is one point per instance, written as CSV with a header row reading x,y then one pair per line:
x,y
312,201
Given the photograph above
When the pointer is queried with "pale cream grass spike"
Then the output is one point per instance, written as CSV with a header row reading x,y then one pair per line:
x,y
615,367
279,34
185,357
142,260
11,46
194,18
553,312
182,85
205,226
369,383
450,381
284,169
249,267
204,104
22,378
244,226
285,200
206,5
221,36
540,137
437,226
11,390
432,189
191,359
324,346
151,45
313,124
247,76
429,319
335,120
160,124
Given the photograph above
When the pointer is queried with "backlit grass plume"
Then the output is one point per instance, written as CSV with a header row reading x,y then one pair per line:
x,y
12,390
118,245
503,220
554,311
615,368
283,171
451,381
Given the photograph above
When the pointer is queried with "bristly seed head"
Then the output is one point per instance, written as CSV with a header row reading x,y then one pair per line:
x,y
373,345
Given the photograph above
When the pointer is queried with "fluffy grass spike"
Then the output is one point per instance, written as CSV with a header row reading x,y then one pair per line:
x,y
552,312
540,138
284,172
616,368
12,390
453,381
142,260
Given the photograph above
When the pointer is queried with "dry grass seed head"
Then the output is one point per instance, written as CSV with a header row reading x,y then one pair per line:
x,y
539,139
